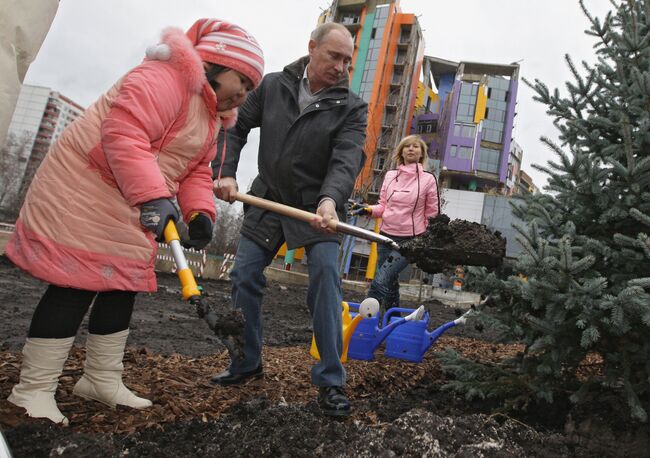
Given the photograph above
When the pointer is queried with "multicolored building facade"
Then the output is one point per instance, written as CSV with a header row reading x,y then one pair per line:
x,y
468,123
386,65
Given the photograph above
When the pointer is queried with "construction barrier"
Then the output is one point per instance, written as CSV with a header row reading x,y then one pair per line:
x,y
201,263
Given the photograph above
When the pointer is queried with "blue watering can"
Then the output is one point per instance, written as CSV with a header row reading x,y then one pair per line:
x,y
368,335
411,340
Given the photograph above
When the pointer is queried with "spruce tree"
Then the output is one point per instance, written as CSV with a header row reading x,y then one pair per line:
x,y
581,286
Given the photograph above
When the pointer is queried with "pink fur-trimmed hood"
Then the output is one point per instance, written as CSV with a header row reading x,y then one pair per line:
x,y
176,48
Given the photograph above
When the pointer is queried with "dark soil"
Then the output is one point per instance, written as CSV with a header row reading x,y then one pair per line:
x,y
226,322
446,244
399,407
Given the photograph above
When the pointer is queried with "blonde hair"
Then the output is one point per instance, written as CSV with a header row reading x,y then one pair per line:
x,y
407,141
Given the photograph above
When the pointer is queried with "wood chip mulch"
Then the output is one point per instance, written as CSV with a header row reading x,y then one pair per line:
x,y
180,389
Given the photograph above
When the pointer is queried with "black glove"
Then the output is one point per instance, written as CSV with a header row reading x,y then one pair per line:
x,y
360,209
155,214
199,232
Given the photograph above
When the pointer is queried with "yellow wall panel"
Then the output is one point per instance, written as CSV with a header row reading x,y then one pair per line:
x,y
481,103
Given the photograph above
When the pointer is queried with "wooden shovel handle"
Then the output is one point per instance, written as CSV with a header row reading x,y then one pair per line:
x,y
281,209
307,217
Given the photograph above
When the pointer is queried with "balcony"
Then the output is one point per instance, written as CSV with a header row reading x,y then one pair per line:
x,y
405,36
351,4
350,19
352,23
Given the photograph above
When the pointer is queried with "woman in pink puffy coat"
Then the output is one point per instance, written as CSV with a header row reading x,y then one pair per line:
x,y
102,196
408,198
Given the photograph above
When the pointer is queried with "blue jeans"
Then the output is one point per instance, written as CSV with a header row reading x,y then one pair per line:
x,y
324,297
385,285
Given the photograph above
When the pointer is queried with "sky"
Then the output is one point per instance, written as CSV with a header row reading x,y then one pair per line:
x,y
92,43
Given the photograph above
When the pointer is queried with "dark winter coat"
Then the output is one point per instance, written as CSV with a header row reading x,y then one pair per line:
x,y
302,158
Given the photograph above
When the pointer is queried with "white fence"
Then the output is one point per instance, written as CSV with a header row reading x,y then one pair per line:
x,y
201,263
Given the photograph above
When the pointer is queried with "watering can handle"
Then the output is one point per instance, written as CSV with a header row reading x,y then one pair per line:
x,y
354,306
396,310
416,314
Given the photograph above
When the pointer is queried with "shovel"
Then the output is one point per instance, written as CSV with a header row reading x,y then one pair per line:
x,y
190,289
416,256
222,326
302,215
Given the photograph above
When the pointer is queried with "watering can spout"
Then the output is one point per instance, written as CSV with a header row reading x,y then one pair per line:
x,y
383,332
433,335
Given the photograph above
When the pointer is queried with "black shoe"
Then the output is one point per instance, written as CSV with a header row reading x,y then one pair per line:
x,y
226,378
333,402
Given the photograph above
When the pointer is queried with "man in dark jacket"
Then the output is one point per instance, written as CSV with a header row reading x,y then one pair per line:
x,y
312,132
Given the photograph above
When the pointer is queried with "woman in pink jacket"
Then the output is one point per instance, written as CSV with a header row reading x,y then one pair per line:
x,y
408,198
102,196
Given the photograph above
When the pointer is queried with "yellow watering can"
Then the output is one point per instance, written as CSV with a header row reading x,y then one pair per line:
x,y
367,309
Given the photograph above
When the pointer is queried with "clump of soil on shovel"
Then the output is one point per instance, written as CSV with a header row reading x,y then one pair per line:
x,y
446,244
227,324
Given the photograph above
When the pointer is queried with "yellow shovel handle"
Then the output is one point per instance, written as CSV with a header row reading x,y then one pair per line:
x,y
185,275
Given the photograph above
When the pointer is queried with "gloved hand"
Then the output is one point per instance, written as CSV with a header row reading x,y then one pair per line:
x,y
360,209
155,214
199,232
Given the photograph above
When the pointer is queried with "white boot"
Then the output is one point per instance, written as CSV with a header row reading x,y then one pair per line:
x,y
43,361
102,379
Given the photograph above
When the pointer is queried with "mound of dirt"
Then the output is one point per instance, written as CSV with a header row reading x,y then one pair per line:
x,y
446,244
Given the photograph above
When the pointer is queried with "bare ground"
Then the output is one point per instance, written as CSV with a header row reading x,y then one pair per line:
x,y
399,407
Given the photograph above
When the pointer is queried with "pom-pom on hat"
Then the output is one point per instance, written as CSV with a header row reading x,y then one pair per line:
x,y
226,44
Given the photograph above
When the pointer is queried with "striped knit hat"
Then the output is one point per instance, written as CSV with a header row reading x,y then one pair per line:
x,y
222,43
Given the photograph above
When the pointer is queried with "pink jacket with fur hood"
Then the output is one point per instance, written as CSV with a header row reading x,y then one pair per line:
x,y
408,198
152,135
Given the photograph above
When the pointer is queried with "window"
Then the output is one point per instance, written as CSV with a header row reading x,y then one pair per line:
x,y
461,152
379,162
358,266
468,131
467,102
488,160
464,152
427,127
464,130
373,54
